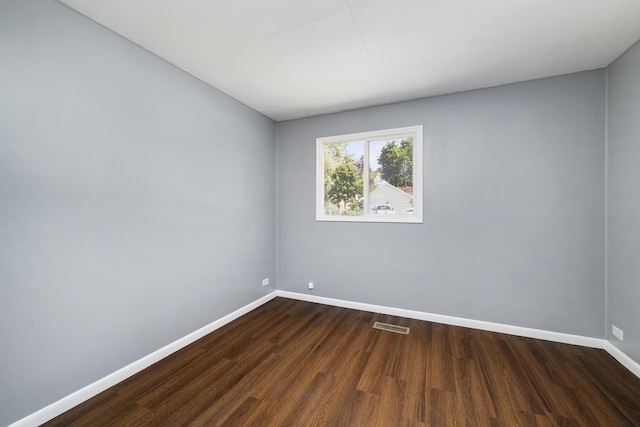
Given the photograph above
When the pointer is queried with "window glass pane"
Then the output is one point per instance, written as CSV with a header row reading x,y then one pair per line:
x,y
391,176
370,176
343,178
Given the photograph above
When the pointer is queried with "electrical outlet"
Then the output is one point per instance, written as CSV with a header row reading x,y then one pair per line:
x,y
265,282
617,333
310,285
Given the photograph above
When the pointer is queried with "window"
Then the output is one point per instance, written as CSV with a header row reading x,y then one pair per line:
x,y
370,177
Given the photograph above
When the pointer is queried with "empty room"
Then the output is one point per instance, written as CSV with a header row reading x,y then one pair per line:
x,y
329,213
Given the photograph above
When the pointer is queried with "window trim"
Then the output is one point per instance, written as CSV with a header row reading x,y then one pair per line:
x,y
418,159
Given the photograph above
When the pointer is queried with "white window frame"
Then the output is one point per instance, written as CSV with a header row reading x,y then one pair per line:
x,y
397,134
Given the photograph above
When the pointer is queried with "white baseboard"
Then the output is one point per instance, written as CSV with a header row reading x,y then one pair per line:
x,y
456,321
49,412
74,399
624,360
580,340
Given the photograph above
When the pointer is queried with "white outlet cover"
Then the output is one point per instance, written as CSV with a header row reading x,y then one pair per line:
x,y
265,282
617,333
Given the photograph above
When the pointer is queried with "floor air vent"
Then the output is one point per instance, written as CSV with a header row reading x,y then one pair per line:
x,y
391,328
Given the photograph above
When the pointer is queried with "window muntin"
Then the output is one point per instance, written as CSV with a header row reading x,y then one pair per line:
x,y
370,177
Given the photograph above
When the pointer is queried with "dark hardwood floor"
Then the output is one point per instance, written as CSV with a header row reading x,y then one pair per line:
x,y
292,363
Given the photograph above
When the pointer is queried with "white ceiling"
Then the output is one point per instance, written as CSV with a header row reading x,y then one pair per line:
x,y
297,58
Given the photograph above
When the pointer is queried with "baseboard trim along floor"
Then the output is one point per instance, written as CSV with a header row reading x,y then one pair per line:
x,y
450,320
74,399
600,343
621,357
51,411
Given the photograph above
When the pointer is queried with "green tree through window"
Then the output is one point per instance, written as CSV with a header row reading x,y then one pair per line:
x,y
343,179
370,176
396,163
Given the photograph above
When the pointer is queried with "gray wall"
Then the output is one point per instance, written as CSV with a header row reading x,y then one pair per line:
x,y
137,204
513,227
623,202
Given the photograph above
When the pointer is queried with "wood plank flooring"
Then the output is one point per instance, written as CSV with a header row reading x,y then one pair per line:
x,y
293,363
